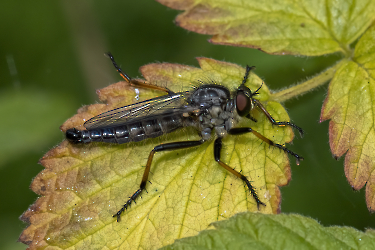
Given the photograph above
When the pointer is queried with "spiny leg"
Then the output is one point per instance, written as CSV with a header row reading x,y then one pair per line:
x,y
248,69
217,150
159,148
248,116
273,121
135,82
237,131
257,103
119,70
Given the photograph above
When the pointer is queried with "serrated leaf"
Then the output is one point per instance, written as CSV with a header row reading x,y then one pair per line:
x,y
278,27
84,185
350,105
260,231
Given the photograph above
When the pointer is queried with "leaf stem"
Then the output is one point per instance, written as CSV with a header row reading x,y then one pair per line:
x,y
308,85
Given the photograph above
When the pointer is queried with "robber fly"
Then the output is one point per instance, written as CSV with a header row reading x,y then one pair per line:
x,y
208,107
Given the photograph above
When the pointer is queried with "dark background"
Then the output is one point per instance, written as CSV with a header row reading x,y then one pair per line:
x,y
51,62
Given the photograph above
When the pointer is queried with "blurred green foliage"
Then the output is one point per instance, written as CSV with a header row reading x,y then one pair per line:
x,y
52,61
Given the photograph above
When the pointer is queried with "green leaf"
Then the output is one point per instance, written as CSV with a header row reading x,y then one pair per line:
x,y
260,231
309,28
306,27
350,105
82,186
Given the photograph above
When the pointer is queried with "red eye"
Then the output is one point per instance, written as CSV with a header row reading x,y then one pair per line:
x,y
242,104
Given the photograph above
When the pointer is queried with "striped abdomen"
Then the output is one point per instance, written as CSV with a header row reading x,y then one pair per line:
x,y
135,132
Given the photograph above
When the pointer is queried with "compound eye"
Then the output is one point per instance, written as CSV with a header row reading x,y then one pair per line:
x,y
243,104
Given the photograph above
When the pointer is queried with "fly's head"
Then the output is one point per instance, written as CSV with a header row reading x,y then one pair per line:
x,y
245,100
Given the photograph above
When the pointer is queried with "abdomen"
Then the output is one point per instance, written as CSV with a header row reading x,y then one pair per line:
x,y
130,132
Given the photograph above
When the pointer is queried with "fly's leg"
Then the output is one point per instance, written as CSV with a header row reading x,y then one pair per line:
x,y
159,148
258,104
248,69
238,131
119,70
217,150
136,82
248,116
273,121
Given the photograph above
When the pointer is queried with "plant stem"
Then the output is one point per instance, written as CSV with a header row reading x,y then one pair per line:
x,y
307,86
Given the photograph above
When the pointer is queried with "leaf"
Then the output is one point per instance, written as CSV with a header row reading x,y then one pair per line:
x,y
260,231
82,186
308,28
350,105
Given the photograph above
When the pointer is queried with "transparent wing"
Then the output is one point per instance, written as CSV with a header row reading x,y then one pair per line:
x,y
138,111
